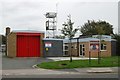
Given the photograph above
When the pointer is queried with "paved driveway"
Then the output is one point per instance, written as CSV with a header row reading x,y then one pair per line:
x,y
21,63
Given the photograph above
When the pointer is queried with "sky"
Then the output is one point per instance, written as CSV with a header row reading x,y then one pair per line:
x,y
30,14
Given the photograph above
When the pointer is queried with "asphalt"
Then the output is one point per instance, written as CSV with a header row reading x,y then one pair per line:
x,y
23,67
21,63
28,62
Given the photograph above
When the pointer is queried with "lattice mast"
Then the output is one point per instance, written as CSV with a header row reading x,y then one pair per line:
x,y
51,24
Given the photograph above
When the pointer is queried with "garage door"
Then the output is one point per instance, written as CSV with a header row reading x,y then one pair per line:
x,y
28,45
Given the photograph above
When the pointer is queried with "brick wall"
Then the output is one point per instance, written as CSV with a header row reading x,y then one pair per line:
x,y
105,53
11,45
41,42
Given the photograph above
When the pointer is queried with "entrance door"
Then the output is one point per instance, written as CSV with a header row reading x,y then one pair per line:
x,y
82,50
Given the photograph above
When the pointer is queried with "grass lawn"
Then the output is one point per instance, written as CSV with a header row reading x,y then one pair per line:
x,y
104,62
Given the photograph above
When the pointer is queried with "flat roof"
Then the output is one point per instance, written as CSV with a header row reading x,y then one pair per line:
x,y
28,31
52,39
86,40
80,40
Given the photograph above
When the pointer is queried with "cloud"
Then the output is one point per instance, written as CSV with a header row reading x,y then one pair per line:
x,y
24,14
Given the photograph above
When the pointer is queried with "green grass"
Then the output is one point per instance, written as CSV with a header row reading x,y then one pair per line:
x,y
104,62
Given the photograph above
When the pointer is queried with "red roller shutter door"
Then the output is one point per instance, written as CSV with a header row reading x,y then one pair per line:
x,y
21,46
34,46
28,45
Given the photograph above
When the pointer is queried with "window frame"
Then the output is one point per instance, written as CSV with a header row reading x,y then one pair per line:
x,y
103,48
65,44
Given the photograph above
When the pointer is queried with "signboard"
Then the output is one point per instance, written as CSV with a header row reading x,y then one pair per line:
x,y
47,44
94,45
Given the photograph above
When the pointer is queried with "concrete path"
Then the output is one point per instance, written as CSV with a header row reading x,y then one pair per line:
x,y
63,73
68,58
40,71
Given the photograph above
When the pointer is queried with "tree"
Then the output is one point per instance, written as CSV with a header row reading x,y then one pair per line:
x,y
95,28
68,31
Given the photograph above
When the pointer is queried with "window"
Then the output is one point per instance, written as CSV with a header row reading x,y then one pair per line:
x,y
103,46
83,45
65,49
65,52
82,50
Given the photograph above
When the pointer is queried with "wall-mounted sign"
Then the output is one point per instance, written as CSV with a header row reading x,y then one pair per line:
x,y
94,45
47,44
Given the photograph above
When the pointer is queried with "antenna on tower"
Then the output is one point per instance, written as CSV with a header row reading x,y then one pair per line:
x,y
56,14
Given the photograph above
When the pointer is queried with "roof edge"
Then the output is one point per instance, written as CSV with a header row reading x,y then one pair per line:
x,y
27,31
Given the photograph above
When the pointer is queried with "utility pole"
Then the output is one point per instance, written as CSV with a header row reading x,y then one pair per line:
x,y
99,52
